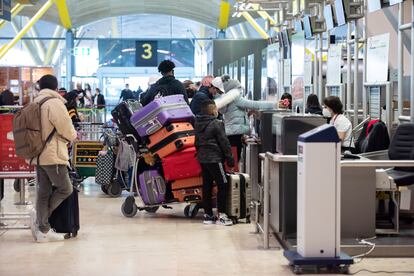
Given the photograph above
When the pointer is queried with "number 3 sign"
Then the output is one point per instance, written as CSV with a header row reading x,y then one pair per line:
x,y
146,54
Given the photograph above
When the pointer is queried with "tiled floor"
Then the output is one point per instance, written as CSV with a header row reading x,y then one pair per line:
x,y
162,244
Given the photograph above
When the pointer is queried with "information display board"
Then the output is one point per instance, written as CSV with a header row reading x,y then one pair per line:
x,y
377,58
273,56
287,73
263,80
250,76
333,74
243,73
298,65
308,70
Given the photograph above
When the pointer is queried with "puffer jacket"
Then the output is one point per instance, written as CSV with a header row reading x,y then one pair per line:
x,y
54,115
234,108
211,142
169,85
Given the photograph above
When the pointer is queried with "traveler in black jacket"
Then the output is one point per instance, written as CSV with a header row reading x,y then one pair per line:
x,y
205,93
213,148
98,100
166,86
312,105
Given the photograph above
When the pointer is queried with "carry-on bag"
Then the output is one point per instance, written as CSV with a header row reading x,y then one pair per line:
x,y
239,196
187,183
104,168
152,187
172,138
159,113
181,165
65,218
122,115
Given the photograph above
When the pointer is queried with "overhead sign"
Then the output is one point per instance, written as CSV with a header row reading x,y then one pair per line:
x,y
82,51
146,53
5,9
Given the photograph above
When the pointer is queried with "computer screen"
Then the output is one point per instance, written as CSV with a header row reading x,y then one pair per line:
x,y
374,5
394,2
307,26
340,12
329,17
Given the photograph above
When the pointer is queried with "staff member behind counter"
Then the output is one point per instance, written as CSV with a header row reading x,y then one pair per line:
x,y
334,109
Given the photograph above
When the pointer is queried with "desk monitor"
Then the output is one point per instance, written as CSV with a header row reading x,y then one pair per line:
x,y
308,26
374,5
394,2
330,19
340,12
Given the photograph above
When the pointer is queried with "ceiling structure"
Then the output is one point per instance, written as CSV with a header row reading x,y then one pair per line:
x,y
83,12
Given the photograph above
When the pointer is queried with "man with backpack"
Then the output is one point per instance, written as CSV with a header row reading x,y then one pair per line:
x,y
48,151
166,86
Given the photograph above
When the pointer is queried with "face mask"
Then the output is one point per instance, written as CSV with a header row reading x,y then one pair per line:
x,y
326,113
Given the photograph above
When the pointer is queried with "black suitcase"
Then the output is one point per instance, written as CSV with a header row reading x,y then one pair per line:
x,y
122,114
1,189
65,218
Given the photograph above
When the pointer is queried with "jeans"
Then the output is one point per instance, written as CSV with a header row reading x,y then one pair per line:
x,y
49,199
214,172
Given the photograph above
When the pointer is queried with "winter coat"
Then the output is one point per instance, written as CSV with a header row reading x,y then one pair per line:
x,y
54,115
314,110
100,102
199,97
168,85
233,106
211,142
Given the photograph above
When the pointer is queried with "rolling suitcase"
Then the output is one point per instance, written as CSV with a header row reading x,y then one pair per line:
x,y
189,194
171,138
1,189
159,113
187,183
181,165
122,115
104,168
65,218
239,196
152,187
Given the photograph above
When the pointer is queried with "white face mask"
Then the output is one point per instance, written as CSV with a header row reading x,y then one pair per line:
x,y
326,113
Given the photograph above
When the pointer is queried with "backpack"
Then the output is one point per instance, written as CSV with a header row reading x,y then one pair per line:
x,y
27,131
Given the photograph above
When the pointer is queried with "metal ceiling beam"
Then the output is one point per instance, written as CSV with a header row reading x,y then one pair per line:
x,y
26,28
64,14
255,25
14,12
28,45
223,22
53,46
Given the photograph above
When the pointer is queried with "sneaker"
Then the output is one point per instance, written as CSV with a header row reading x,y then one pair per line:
x,y
224,220
209,219
50,236
33,226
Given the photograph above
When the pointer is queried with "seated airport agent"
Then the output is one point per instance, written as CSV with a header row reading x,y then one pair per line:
x,y
334,109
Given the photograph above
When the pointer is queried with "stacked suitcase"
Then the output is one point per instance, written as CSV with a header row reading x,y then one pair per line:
x,y
165,126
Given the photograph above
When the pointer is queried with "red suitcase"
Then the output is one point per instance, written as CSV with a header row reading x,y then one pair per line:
x,y
172,138
181,165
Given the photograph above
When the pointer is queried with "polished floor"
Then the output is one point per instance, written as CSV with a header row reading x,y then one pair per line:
x,y
165,243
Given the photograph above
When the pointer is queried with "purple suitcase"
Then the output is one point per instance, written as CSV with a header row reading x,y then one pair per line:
x,y
160,112
152,187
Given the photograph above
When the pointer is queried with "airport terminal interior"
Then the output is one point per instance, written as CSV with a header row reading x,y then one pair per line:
x,y
206,137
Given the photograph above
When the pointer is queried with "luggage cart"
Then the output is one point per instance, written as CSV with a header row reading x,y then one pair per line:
x,y
130,208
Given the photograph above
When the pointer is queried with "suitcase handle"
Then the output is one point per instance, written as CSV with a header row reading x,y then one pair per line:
x,y
160,185
156,125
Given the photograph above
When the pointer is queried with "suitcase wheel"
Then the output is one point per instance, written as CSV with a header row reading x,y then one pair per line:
x,y
114,189
104,189
16,185
191,211
129,208
152,210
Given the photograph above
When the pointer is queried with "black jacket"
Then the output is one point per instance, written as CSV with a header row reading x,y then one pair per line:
x,y
211,141
126,94
168,86
314,110
7,98
199,97
100,102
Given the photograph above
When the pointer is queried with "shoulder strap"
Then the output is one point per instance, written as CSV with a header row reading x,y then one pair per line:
x,y
45,100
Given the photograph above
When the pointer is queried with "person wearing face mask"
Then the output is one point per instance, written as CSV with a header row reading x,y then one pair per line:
x,y
99,99
333,109
71,105
206,91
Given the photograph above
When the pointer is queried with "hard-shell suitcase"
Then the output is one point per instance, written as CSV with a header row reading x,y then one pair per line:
x,y
189,194
181,165
122,115
187,183
65,218
152,187
172,138
159,113
239,196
